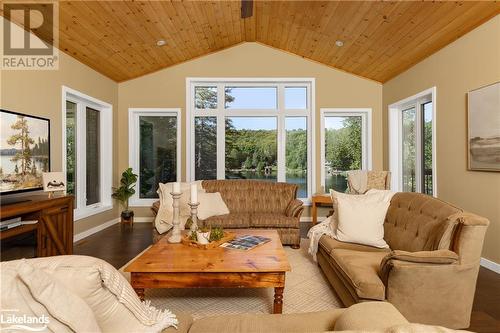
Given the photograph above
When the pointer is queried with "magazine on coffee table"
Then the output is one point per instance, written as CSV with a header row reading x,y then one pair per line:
x,y
245,242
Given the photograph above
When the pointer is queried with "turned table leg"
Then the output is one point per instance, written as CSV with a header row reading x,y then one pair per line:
x,y
140,293
278,300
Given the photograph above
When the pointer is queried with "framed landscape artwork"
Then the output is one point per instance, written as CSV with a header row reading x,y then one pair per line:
x,y
484,128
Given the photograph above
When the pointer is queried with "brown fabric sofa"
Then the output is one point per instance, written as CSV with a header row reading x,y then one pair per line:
x,y
430,271
256,204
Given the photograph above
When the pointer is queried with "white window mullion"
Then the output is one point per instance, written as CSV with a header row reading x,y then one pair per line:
x,y
82,155
221,132
418,146
281,132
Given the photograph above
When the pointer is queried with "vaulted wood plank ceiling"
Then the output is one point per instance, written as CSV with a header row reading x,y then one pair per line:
x,y
381,39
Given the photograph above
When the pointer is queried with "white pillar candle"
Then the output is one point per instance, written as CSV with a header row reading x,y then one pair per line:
x,y
177,187
194,193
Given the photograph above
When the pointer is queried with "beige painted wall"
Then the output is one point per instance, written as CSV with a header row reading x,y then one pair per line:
x,y
39,93
468,63
167,89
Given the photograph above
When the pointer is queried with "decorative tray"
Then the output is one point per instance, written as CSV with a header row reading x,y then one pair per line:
x,y
228,236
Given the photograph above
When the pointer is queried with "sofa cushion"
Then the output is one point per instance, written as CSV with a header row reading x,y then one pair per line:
x,y
361,270
329,243
231,220
263,323
262,220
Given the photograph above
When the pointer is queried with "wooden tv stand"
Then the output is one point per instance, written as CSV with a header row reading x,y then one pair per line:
x,y
54,230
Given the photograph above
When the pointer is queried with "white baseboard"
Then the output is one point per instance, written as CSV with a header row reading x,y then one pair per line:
x,y
93,230
491,265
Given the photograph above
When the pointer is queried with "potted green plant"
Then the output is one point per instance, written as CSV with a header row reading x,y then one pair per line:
x,y
125,191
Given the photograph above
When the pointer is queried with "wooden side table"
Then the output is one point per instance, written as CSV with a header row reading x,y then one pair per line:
x,y
319,199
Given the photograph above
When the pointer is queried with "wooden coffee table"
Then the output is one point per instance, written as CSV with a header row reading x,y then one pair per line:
x,y
167,265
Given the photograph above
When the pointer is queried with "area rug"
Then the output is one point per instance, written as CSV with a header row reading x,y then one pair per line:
x,y
306,290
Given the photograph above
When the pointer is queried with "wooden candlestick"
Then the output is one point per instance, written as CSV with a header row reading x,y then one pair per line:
x,y
194,215
176,231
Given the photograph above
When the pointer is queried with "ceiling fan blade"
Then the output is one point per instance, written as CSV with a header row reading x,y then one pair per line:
x,y
246,8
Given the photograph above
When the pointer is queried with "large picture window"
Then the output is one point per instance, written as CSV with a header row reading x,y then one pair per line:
x,y
87,150
412,143
251,129
154,141
345,145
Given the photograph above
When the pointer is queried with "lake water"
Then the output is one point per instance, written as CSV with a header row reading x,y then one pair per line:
x,y
8,166
336,182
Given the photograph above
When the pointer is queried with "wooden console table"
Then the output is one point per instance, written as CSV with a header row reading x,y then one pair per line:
x,y
54,230
319,199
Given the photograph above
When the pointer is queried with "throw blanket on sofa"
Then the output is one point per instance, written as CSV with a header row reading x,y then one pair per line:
x,y
315,233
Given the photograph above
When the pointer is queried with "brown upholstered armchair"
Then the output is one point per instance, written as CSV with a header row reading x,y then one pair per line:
x,y
429,273
256,204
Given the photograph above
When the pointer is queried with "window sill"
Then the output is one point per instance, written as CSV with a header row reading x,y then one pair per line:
x,y
89,211
142,202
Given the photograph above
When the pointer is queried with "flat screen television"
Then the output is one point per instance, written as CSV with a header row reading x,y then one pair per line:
x,y
24,152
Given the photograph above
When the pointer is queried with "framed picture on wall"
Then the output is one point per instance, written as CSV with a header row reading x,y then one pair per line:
x,y
483,118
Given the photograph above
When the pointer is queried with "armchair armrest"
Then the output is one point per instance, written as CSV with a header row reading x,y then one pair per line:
x,y
155,207
294,208
397,257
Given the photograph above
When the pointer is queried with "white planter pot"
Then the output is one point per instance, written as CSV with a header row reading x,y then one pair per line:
x,y
203,237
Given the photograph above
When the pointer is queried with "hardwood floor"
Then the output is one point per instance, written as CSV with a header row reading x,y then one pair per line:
x,y
119,244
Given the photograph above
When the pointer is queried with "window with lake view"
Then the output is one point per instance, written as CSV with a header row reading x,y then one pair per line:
x,y
345,145
251,130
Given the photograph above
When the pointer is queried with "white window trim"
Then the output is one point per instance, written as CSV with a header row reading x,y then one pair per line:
x,y
106,152
366,139
133,140
395,138
310,113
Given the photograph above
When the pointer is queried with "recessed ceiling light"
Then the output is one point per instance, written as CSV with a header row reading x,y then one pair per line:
x,y
339,43
161,42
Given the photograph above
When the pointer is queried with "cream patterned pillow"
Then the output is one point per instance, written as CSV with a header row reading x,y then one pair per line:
x,y
60,302
211,204
115,304
361,217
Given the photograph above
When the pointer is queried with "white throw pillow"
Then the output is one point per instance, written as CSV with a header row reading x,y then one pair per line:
x,y
361,217
211,204
60,302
